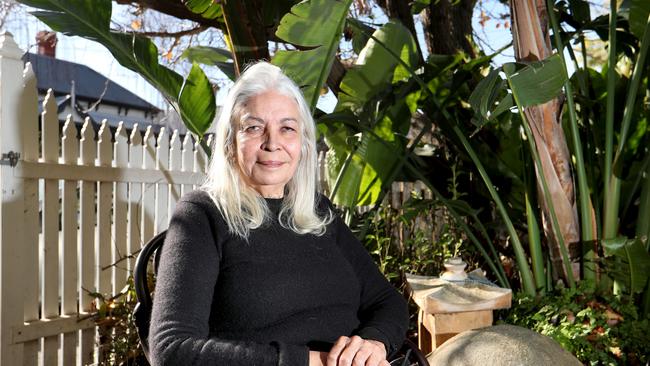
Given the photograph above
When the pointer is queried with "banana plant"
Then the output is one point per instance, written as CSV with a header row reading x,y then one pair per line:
x,y
625,256
369,161
191,96
316,26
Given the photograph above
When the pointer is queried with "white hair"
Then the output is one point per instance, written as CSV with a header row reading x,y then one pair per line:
x,y
242,207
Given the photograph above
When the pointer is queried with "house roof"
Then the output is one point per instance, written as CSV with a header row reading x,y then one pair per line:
x,y
89,84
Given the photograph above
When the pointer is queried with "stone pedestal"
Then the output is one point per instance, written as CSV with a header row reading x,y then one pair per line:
x,y
448,308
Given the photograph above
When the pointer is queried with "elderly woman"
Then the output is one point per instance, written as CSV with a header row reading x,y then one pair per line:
x,y
256,268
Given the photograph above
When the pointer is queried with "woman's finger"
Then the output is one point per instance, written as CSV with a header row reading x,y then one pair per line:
x,y
377,353
335,352
351,353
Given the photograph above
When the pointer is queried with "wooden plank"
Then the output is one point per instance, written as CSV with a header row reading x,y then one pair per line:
x,y
175,164
149,192
68,254
103,174
50,249
104,203
162,189
28,120
104,206
199,160
87,154
135,195
187,161
120,202
51,327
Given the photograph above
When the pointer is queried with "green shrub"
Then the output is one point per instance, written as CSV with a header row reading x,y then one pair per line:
x,y
118,338
598,329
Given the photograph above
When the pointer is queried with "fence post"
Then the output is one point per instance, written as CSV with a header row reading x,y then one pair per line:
x,y
12,203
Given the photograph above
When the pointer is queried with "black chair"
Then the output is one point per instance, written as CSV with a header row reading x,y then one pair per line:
x,y
408,355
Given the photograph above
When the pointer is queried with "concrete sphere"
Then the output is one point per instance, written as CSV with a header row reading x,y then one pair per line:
x,y
501,345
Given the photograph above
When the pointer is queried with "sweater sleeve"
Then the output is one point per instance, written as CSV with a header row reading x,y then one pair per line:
x,y
187,274
383,311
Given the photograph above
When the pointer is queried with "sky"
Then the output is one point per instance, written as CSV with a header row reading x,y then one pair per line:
x,y
76,49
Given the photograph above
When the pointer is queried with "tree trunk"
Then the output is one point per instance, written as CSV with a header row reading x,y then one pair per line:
x,y
448,27
530,33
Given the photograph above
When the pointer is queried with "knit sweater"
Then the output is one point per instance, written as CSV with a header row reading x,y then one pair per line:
x,y
222,300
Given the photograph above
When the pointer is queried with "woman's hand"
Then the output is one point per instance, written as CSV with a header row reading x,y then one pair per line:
x,y
356,351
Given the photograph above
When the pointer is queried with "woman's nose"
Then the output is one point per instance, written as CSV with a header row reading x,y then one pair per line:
x,y
270,142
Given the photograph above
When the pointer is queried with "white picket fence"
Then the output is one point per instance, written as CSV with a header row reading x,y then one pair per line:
x,y
73,204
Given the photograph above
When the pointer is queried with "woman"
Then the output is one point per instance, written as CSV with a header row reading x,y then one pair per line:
x,y
256,268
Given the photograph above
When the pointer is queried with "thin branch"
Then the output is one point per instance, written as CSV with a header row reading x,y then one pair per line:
x,y
178,34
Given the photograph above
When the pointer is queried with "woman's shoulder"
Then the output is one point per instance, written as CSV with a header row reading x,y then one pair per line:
x,y
201,198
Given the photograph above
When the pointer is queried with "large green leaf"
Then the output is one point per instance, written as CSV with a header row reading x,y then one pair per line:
x,y
218,57
380,134
375,68
194,108
633,265
639,11
208,9
314,24
538,82
490,98
91,19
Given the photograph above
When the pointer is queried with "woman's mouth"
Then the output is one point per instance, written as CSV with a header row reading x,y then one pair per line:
x,y
271,163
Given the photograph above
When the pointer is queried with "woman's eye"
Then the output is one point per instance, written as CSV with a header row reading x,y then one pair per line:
x,y
251,129
288,129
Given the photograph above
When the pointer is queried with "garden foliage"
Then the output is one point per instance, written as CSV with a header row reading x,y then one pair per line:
x,y
457,123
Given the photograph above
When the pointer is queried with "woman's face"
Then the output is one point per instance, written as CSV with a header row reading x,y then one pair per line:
x,y
268,142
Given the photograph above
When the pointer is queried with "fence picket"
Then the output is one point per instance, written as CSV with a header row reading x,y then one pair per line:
x,y
50,239
104,201
68,254
162,188
187,164
87,215
104,247
149,192
174,165
199,160
135,194
28,113
120,204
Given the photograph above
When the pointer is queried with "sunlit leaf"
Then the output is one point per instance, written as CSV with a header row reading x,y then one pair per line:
x,y
537,83
208,9
315,24
376,68
218,57
201,110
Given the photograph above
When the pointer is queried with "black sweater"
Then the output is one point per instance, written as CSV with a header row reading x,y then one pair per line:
x,y
220,300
